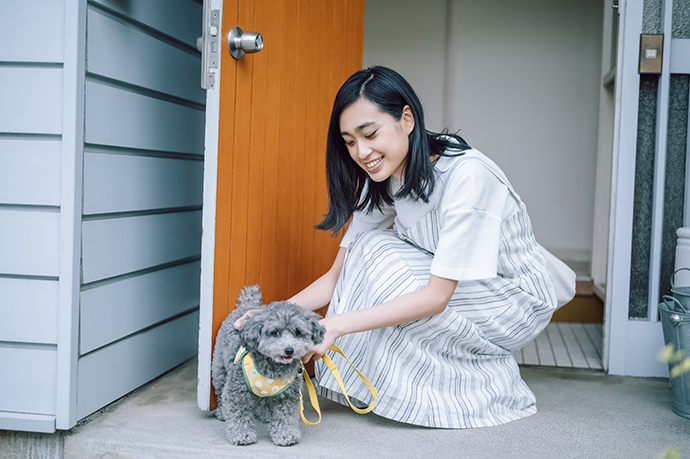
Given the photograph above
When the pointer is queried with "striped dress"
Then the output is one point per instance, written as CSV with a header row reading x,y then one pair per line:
x,y
455,369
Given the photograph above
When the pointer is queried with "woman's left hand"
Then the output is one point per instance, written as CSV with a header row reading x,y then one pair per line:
x,y
329,338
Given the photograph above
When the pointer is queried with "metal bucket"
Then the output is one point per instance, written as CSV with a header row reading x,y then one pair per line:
x,y
682,294
675,322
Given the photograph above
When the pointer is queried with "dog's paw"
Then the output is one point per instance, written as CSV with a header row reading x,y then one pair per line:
x,y
285,438
240,438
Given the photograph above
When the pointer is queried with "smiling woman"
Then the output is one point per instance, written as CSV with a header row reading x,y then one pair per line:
x,y
438,278
378,146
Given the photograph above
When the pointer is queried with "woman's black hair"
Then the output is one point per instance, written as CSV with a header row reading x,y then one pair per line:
x,y
390,93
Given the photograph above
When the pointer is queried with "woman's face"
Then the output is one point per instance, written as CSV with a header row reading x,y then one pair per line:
x,y
375,140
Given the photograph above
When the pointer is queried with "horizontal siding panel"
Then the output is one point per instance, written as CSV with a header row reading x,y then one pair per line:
x,y
116,246
27,422
126,54
109,373
31,100
122,183
29,242
20,24
180,19
116,310
28,312
122,118
27,380
30,171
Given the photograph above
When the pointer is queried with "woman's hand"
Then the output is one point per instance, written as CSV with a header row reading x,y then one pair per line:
x,y
329,338
239,323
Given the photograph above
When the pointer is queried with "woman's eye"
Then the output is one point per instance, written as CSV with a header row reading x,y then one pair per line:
x,y
371,135
350,143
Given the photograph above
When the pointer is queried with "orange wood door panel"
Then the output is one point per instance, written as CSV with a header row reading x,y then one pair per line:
x,y
274,111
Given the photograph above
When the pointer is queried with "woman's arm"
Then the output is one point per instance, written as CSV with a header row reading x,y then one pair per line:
x,y
318,294
420,304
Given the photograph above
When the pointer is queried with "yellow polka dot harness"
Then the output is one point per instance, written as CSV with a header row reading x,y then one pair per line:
x,y
259,385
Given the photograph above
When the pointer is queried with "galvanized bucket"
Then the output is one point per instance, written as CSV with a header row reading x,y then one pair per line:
x,y
675,321
682,294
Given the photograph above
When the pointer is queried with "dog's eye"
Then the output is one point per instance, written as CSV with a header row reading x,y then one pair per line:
x,y
275,334
298,332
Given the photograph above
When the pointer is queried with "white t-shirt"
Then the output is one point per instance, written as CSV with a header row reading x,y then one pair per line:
x,y
472,198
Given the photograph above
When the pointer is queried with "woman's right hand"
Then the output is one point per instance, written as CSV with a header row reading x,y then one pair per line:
x,y
239,323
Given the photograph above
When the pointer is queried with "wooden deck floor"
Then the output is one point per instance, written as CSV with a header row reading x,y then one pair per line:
x,y
569,345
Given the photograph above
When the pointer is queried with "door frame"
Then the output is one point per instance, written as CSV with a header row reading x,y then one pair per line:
x,y
632,346
208,238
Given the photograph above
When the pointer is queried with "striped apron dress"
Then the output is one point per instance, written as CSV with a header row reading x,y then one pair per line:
x,y
455,369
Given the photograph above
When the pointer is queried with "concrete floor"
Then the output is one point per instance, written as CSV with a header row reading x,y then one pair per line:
x,y
582,414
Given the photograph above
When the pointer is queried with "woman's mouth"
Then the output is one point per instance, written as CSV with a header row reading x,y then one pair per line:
x,y
371,165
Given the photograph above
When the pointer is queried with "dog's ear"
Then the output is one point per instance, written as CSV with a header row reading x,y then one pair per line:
x,y
250,334
317,330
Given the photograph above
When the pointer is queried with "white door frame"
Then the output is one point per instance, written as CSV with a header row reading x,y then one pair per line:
x,y
632,346
208,238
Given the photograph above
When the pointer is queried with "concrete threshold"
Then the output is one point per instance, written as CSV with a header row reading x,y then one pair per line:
x,y
582,414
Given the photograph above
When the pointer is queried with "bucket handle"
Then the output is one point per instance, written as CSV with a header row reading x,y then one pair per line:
x,y
680,305
674,275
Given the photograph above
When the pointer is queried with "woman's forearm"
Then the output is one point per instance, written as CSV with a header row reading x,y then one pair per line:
x,y
318,294
420,304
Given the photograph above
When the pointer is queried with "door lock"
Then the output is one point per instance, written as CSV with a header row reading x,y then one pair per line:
x,y
208,44
244,42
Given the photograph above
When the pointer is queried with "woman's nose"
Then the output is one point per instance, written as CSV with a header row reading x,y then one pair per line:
x,y
363,150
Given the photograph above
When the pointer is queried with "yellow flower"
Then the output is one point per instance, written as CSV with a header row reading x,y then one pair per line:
x,y
669,453
681,368
668,354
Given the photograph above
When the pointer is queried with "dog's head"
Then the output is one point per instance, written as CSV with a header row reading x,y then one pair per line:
x,y
282,331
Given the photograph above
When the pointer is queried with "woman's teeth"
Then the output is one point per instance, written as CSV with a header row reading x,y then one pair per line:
x,y
374,163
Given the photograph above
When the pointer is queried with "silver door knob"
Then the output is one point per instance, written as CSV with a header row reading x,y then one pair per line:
x,y
244,42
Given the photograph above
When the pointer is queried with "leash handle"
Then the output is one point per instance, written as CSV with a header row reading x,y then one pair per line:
x,y
312,398
336,374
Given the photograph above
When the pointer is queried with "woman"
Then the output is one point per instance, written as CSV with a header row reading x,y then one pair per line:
x,y
438,278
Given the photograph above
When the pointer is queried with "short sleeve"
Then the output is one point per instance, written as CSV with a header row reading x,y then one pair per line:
x,y
363,221
471,212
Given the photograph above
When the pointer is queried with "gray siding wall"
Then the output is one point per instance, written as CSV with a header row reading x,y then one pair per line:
x,y
141,180
142,195
31,115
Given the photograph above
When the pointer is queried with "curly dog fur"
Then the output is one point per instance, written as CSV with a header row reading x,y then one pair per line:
x,y
277,336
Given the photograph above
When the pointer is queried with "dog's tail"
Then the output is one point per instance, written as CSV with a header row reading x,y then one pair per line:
x,y
249,298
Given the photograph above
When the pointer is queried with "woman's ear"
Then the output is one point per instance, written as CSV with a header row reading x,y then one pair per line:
x,y
408,119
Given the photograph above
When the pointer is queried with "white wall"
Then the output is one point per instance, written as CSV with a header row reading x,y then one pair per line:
x,y
521,81
410,37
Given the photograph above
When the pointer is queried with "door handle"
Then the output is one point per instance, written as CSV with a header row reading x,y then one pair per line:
x,y
244,42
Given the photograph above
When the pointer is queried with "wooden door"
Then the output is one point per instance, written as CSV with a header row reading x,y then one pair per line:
x,y
271,170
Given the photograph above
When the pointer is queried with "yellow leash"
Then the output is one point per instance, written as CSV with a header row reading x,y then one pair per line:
x,y
336,374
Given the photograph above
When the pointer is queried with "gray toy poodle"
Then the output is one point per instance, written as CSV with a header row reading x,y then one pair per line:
x,y
275,337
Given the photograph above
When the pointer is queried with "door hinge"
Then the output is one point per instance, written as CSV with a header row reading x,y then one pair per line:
x,y
209,45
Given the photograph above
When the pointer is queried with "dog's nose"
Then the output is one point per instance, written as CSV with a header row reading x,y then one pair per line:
x,y
289,351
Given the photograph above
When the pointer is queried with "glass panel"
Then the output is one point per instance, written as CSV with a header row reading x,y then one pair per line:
x,y
681,19
674,193
643,200
651,17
